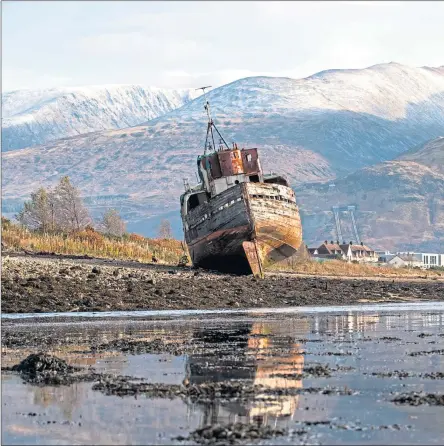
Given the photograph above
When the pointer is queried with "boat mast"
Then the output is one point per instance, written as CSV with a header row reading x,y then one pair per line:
x,y
210,124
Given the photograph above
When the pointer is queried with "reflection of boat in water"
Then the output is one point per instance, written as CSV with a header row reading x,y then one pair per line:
x,y
261,356
270,372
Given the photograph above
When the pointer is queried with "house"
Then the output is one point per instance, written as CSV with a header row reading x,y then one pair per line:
x,y
426,259
384,256
405,260
332,249
344,251
430,260
362,253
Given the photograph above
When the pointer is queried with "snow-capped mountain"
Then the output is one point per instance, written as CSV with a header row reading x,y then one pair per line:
x,y
314,129
32,117
349,118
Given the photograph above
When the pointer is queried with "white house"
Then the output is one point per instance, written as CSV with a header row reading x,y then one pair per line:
x,y
427,259
417,259
404,260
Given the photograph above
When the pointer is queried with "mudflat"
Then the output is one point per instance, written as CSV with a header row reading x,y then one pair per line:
x,y
368,376
56,284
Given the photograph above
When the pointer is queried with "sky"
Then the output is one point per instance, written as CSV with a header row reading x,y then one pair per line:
x,y
190,44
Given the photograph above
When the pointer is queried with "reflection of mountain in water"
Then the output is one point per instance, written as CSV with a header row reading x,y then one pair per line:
x,y
67,398
254,353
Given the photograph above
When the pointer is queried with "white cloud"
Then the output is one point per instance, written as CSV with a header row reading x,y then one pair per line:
x,y
19,79
15,78
136,44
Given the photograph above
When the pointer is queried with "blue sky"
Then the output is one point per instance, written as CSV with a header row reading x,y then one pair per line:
x,y
187,44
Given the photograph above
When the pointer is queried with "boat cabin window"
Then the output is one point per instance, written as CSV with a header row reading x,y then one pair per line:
x,y
193,202
254,178
248,157
276,180
196,199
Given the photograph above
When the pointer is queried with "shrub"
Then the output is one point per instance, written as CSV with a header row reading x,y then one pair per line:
x,y
93,243
135,237
88,235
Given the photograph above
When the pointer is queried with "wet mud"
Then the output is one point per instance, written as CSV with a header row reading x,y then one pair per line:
x,y
156,346
428,352
40,368
207,392
401,374
235,433
420,398
34,285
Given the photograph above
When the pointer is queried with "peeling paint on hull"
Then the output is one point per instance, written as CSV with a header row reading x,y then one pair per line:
x,y
245,228
276,221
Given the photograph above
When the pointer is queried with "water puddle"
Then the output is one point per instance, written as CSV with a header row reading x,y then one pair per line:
x,y
327,375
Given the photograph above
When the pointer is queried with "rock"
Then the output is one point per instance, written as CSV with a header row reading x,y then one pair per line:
x,y
76,268
96,270
40,368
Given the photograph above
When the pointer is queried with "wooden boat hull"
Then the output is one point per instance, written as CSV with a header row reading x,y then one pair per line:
x,y
277,229
244,229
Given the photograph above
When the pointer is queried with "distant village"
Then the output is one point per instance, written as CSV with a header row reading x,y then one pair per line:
x,y
361,253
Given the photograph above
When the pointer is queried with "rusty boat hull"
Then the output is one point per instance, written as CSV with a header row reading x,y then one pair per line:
x,y
244,229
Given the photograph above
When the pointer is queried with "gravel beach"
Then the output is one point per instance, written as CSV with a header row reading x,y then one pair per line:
x,y
55,284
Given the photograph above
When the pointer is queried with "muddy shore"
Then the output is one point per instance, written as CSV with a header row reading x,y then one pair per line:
x,y
55,284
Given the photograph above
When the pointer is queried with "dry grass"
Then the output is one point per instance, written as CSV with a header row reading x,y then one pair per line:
x,y
341,268
92,243
136,247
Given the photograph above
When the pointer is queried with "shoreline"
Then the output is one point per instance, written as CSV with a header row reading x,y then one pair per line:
x,y
37,284
178,316
422,275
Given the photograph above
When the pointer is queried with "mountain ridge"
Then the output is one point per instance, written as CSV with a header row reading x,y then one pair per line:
x,y
309,134
34,117
399,203
429,154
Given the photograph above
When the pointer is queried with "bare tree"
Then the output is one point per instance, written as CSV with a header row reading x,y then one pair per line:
x,y
70,212
112,223
38,213
165,231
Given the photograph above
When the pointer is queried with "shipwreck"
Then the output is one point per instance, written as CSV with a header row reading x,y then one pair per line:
x,y
237,219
